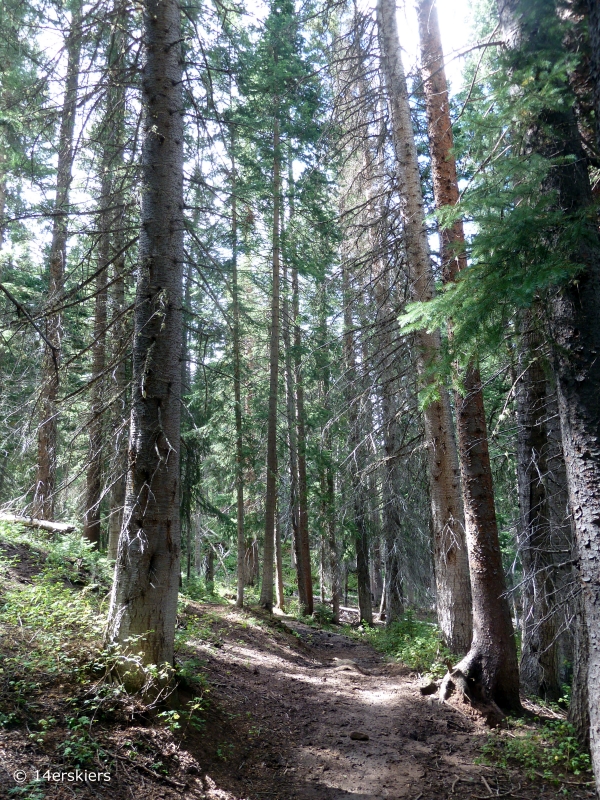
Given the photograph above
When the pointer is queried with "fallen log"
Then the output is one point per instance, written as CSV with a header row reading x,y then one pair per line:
x,y
43,524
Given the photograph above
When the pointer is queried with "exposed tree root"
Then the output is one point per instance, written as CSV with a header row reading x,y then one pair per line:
x,y
471,693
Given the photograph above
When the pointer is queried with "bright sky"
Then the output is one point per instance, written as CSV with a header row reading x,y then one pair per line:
x,y
455,25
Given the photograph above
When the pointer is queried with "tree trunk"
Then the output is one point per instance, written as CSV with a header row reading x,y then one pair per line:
x,y
251,564
198,544
110,219
279,564
306,601
327,475
359,500
579,709
593,9
450,554
120,430
47,437
91,524
322,591
209,574
237,394
266,594
576,333
388,343
119,346
144,595
491,663
3,160
565,576
298,561
572,311
393,530
377,570
539,659
188,469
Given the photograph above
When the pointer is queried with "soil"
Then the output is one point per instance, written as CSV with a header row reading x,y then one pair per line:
x,y
294,713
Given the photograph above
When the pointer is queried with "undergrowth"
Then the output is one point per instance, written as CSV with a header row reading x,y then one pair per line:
x,y
58,680
413,642
550,750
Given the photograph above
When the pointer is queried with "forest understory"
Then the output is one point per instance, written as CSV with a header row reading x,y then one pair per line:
x,y
266,707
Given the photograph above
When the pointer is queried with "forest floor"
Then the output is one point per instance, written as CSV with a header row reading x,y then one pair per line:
x,y
270,709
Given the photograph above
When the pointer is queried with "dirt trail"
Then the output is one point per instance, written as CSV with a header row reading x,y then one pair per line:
x,y
314,705
352,694
293,713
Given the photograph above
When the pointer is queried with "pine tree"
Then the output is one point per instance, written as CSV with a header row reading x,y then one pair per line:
x,y
492,658
451,564
146,582
45,480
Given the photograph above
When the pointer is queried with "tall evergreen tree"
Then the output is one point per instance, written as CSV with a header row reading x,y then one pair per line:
x,y
492,659
47,439
451,563
146,582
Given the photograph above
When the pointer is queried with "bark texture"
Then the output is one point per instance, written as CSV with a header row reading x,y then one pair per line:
x,y
540,651
491,663
146,581
573,312
579,711
450,553
306,598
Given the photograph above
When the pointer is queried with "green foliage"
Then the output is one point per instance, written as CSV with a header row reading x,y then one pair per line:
x,y
523,241
413,642
80,748
195,588
323,614
192,715
75,560
547,751
34,790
